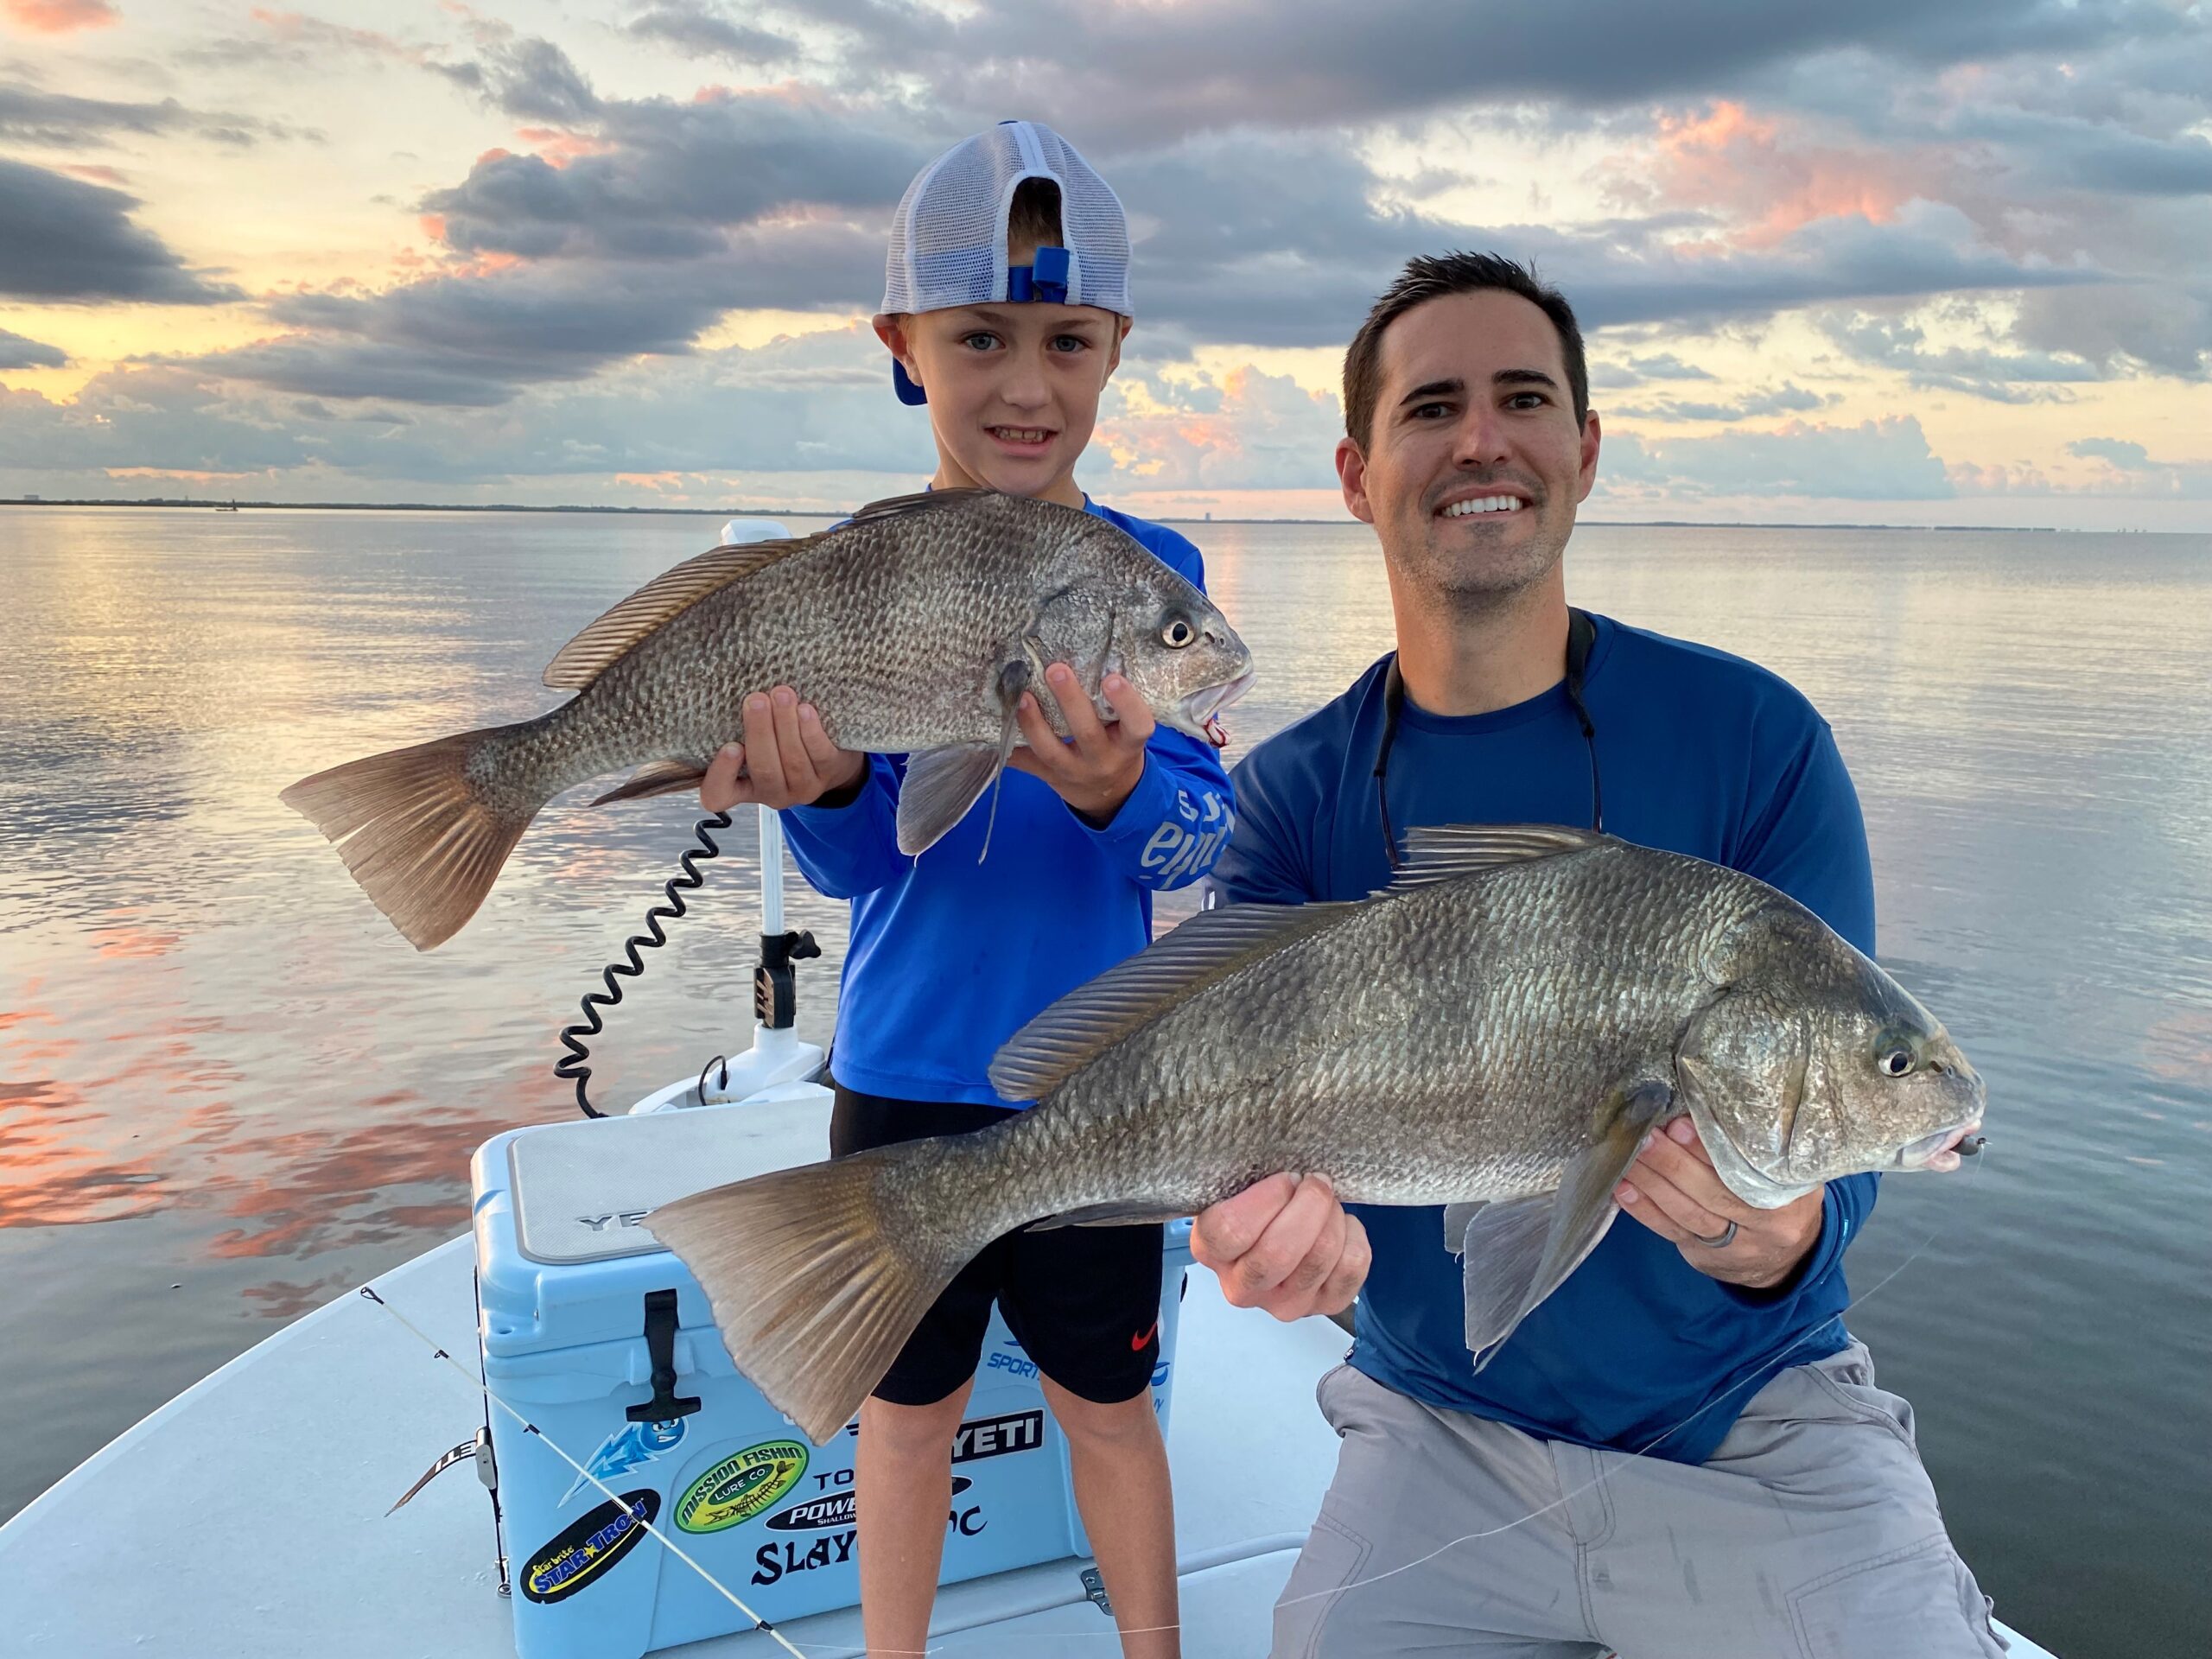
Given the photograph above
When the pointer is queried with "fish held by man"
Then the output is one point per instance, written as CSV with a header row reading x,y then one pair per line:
x,y
1496,1033
915,628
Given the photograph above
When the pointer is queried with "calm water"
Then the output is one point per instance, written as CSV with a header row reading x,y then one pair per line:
x,y
228,1091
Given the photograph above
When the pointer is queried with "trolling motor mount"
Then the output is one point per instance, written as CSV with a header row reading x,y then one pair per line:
x,y
775,990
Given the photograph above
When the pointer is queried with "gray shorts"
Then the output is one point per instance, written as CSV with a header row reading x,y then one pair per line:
x,y
1812,1531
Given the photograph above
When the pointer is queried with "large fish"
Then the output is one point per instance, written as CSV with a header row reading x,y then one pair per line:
x,y
1495,1034
914,628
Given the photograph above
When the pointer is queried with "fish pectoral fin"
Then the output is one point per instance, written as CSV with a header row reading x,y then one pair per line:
x,y
1111,1215
655,777
940,785
1503,1245
1457,1218
1517,1252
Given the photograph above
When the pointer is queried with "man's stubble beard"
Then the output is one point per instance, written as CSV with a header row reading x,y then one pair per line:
x,y
1459,585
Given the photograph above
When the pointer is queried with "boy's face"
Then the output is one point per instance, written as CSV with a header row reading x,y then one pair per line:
x,y
1013,389
1475,463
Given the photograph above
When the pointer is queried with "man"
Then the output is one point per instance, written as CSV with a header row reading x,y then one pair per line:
x,y
1681,1453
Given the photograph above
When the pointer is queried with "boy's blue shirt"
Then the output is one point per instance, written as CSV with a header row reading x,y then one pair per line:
x,y
950,956
1700,752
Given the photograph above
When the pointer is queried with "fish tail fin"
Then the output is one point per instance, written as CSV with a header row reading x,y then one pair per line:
x,y
816,1279
419,829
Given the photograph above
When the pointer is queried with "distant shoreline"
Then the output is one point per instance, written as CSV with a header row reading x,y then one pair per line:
x,y
818,512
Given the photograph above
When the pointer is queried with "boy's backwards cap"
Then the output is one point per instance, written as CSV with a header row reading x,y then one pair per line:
x,y
947,238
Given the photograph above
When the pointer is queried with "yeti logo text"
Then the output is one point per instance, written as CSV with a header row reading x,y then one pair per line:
x,y
617,1218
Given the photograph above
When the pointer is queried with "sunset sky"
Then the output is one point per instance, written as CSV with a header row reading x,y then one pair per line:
x,y
1901,261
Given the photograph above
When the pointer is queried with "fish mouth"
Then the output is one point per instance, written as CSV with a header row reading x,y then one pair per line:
x,y
1199,713
1943,1151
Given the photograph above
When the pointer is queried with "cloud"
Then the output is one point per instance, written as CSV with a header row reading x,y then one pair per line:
x,y
698,30
2120,452
1642,371
2004,376
477,339
1887,459
672,178
1136,72
58,120
297,39
529,78
17,352
816,403
61,238
2130,467
60,16
1249,430
1787,398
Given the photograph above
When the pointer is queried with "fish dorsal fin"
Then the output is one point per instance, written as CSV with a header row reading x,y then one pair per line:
x,y
587,656
1042,1055
898,506
1438,852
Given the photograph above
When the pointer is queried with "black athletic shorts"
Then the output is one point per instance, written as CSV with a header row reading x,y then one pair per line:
x,y
1084,1302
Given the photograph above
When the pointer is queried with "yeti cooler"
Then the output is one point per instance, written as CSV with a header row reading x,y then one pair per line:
x,y
577,1305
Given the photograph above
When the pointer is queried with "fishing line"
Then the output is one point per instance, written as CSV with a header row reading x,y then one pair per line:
x,y
1599,1479
575,1066
674,1548
1567,1497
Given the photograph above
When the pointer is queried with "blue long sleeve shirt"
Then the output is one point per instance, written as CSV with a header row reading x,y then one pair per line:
x,y
948,955
1700,752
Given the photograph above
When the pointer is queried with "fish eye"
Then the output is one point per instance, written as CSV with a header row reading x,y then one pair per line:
x,y
1896,1062
1177,634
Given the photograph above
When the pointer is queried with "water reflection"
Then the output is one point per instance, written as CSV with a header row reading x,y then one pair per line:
x,y
222,1070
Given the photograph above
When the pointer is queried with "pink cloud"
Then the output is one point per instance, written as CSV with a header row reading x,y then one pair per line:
x,y
1755,170
61,16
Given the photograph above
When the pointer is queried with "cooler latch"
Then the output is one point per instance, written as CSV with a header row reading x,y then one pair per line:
x,y
666,1405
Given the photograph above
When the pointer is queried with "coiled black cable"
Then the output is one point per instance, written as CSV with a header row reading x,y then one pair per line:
x,y
575,1066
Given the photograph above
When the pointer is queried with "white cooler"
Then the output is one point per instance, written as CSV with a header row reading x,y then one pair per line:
x,y
574,1298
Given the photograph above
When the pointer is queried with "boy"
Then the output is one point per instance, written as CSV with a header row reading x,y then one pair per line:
x,y
1005,305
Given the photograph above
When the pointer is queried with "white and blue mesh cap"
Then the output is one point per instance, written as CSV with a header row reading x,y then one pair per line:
x,y
947,238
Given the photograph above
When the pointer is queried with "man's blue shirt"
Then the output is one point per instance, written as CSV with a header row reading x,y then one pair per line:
x,y
954,951
1699,753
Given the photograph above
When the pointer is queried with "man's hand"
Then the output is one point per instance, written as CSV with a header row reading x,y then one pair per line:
x,y
787,759
1284,1244
1098,765
1672,1189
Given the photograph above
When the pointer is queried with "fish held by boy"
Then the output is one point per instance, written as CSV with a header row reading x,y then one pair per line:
x,y
1496,1032
914,628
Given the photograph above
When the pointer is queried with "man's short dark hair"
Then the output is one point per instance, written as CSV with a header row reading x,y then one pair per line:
x,y
1431,277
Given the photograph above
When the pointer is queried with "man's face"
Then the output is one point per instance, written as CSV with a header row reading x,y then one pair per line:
x,y
1474,464
1013,389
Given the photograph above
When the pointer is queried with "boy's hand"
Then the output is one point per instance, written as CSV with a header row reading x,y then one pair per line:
x,y
1098,765
1284,1244
787,759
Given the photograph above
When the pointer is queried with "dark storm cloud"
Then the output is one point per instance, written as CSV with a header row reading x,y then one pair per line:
x,y
476,340
1139,72
702,31
677,175
61,238
17,352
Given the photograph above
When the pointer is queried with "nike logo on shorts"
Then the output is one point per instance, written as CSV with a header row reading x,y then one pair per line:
x,y
1136,1344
